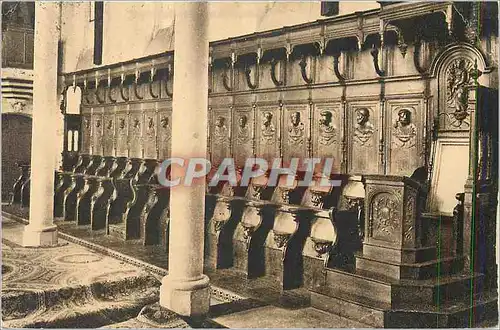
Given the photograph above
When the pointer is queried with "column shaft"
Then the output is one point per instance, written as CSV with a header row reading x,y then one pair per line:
x,y
41,230
185,290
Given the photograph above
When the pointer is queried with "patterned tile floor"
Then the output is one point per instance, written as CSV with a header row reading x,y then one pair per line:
x,y
261,305
65,265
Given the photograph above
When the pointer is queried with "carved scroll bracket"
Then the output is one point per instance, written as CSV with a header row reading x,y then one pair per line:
x,y
248,77
277,82
336,57
138,95
123,94
98,83
374,52
152,78
168,77
227,79
303,70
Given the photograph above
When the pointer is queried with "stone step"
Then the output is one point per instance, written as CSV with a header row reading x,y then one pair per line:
x,y
418,271
376,314
399,293
83,306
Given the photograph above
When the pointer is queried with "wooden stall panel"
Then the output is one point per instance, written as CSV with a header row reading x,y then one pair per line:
x,y
327,133
243,134
86,132
97,131
121,135
296,131
220,128
363,137
268,119
134,135
150,131
405,123
164,133
108,132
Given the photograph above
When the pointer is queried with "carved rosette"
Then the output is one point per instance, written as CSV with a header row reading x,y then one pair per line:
x,y
384,216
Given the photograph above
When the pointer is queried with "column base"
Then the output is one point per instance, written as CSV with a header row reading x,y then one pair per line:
x,y
38,237
186,298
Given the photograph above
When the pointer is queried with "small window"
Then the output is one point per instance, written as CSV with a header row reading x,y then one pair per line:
x,y
75,141
329,8
70,140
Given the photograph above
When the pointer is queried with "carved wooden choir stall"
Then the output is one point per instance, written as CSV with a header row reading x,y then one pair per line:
x,y
396,96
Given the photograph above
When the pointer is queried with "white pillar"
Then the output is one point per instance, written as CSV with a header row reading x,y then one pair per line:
x,y
185,290
41,230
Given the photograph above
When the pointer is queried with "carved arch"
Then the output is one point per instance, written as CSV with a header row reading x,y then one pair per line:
x,y
459,50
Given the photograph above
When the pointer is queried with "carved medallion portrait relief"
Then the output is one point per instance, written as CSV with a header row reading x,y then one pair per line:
x,y
243,146
220,130
97,135
296,129
108,137
135,148
326,129
243,135
121,137
268,130
405,132
86,134
363,146
164,136
220,141
363,130
150,137
404,137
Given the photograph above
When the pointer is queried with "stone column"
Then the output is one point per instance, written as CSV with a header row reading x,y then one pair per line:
x,y
41,230
185,290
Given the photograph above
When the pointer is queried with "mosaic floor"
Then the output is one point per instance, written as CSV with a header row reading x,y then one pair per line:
x,y
72,286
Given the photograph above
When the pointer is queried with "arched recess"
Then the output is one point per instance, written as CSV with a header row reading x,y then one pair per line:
x,y
72,126
16,148
454,72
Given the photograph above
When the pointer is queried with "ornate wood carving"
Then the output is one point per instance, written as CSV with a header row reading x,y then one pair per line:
x,y
410,217
227,78
405,125
121,135
267,128
375,52
149,141
97,131
277,80
295,131
134,135
363,139
248,77
303,70
458,82
221,134
108,136
326,135
384,216
164,134
243,135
